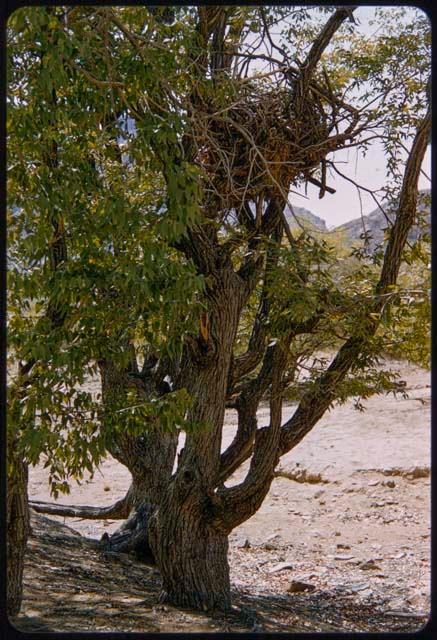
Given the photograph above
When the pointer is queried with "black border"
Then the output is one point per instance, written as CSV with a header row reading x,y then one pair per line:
x,y
7,630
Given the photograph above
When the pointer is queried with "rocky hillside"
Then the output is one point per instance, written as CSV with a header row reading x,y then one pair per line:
x,y
305,219
376,222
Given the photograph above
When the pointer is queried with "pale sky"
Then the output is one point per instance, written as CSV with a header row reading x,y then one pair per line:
x,y
369,171
344,205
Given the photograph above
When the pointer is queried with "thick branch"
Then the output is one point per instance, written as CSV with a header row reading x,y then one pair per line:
x,y
241,447
320,44
201,246
319,398
249,360
407,209
117,511
218,38
238,503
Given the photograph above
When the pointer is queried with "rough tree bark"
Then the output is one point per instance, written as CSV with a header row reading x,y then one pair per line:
x,y
18,529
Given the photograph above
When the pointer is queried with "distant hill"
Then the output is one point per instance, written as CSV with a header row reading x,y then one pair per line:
x,y
375,223
306,219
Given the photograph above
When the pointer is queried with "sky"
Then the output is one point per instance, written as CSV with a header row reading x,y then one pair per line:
x,y
370,172
345,205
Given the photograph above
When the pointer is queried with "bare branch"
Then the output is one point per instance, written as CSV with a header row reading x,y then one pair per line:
x,y
117,511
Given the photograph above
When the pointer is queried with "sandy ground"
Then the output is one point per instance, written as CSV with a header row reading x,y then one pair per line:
x,y
358,525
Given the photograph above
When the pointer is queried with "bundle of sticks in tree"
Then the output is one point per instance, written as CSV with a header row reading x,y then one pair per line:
x,y
263,138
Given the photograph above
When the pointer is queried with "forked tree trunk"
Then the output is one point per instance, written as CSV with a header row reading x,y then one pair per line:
x,y
187,537
149,458
18,529
192,556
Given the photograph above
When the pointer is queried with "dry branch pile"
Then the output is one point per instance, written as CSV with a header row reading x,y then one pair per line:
x,y
265,136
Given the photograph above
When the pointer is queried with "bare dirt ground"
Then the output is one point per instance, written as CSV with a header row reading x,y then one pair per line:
x,y
342,542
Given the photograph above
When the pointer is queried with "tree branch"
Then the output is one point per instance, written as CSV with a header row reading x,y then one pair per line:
x,y
241,447
247,403
247,362
117,511
320,44
238,503
319,398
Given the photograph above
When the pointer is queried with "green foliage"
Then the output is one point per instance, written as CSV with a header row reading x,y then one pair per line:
x,y
406,323
98,117
73,166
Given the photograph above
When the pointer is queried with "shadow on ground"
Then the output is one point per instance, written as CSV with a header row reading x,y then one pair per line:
x,y
70,585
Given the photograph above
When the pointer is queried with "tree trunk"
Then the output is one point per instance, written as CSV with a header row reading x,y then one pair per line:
x,y
186,532
148,482
18,529
133,535
149,458
192,556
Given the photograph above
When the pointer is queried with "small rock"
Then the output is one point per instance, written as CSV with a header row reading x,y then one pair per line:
x,y
405,614
273,542
344,556
281,566
300,587
246,544
373,483
337,533
389,483
369,565
342,546
359,587
275,537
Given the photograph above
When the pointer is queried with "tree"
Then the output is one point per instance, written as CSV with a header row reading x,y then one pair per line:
x,y
150,161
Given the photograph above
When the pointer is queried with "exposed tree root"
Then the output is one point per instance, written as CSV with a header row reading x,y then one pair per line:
x,y
132,536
